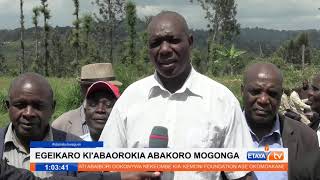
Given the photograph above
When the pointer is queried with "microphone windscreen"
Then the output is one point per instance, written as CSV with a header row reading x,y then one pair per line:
x,y
158,137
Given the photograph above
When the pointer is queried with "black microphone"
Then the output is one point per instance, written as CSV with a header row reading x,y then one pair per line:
x,y
158,137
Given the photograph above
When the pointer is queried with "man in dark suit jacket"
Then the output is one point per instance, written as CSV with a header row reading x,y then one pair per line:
x,y
262,90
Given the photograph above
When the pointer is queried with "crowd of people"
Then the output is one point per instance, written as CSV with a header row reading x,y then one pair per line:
x,y
197,111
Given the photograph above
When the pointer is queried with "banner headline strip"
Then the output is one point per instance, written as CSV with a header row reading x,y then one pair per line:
x,y
166,167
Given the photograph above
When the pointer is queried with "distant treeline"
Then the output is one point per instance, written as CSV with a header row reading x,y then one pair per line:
x,y
249,39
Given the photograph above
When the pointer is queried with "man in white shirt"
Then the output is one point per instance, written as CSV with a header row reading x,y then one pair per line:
x,y
197,111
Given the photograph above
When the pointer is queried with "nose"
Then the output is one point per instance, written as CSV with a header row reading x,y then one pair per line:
x,y
101,108
165,49
28,112
263,99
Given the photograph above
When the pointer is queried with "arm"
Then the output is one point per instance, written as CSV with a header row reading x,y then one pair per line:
x,y
237,135
297,101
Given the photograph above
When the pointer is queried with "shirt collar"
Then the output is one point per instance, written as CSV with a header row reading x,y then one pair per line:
x,y
189,87
82,115
12,137
275,129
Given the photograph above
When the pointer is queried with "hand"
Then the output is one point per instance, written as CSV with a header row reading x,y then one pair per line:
x,y
139,175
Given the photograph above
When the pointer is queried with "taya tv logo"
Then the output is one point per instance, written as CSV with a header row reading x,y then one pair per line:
x,y
265,155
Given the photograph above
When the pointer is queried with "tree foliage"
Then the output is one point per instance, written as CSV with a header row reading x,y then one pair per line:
x,y
46,30
110,14
291,51
75,40
37,64
22,56
130,44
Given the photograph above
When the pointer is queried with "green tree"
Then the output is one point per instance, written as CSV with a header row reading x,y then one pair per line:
x,y
110,14
46,29
222,22
231,55
197,59
131,20
22,58
86,29
293,50
59,59
76,33
37,64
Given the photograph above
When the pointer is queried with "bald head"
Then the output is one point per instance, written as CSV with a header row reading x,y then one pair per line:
x,y
28,80
262,90
30,106
169,16
262,71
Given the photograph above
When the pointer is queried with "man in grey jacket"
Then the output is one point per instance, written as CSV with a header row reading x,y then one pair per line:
x,y
73,121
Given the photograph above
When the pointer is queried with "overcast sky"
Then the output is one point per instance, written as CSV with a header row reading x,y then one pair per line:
x,y
271,14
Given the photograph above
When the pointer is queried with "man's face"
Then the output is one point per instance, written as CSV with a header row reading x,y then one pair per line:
x,y
97,109
169,46
314,95
261,96
30,109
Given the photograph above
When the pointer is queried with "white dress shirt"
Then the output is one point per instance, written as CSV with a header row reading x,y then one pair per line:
x,y
201,114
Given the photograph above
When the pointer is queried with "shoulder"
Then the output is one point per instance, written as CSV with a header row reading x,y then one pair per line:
x,y
304,132
140,86
66,117
137,91
213,90
298,126
59,135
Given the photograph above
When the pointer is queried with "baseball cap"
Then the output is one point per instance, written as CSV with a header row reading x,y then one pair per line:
x,y
103,85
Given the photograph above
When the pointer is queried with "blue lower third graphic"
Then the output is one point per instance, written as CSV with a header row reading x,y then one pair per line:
x,y
56,167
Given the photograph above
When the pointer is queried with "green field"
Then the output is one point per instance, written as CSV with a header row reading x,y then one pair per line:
x,y
67,94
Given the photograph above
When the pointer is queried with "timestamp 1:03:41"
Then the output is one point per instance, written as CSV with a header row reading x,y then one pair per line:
x,y
56,167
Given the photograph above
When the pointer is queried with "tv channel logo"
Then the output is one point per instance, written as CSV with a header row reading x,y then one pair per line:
x,y
265,155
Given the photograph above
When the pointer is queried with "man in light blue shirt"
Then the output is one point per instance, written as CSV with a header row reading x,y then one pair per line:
x,y
262,90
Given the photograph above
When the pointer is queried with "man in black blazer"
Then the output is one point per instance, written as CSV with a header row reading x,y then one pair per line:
x,y
262,90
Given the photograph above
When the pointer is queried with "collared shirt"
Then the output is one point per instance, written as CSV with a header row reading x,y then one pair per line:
x,y
201,114
17,155
85,128
86,137
274,140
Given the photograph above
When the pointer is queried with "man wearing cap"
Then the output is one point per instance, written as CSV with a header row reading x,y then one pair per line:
x,y
100,99
74,121
197,111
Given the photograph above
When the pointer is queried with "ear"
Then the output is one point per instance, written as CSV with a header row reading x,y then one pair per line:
x,y
53,105
7,104
242,89
190,40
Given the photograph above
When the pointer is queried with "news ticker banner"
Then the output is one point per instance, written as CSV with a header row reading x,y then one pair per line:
x,y
93,156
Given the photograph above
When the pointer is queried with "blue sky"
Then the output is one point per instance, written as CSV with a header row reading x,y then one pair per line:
x,y
271,14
